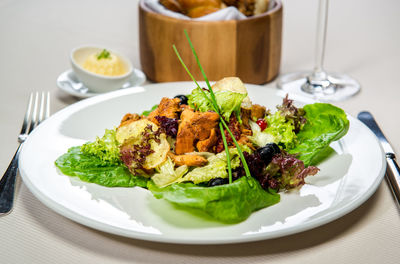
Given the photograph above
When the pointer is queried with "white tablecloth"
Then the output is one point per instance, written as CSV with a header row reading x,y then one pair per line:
x,y
35,40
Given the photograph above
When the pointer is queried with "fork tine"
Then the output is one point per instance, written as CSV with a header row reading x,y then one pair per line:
x,y
44,112
34,113
41,111
47,114
27,115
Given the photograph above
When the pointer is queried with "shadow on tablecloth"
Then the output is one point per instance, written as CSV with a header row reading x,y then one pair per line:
x,y
126,249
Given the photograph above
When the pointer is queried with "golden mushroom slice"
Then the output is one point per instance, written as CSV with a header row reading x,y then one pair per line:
x,y
133,129
143,146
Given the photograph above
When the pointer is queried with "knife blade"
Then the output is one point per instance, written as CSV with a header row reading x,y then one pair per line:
x,y
392,170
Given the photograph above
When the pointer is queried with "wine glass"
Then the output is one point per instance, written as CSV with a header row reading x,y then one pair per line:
x,y
319,84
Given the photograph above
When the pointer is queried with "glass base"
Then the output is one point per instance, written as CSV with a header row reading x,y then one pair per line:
x,y
336,87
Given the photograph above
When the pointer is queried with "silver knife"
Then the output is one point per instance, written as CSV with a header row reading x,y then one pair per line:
x,y
392,171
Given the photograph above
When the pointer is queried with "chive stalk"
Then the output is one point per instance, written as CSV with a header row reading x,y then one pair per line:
x,y
228,156
186,68
246,168
201,68
214,104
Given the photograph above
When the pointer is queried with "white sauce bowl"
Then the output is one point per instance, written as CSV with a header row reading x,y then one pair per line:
x,y
98,83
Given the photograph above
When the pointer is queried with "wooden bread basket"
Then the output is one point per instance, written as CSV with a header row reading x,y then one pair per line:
x,y
249,49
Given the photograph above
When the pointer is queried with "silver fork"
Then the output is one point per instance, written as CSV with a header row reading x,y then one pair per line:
x,y
34,115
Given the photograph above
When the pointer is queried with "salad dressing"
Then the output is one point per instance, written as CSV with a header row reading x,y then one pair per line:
x,y
104,63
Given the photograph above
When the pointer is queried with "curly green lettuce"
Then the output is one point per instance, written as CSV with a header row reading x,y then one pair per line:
x,y
105,148
279,131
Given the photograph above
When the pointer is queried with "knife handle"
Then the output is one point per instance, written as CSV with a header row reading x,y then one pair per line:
x,y
393,175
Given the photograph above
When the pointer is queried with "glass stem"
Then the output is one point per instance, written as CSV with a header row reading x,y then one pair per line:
x,y
322,22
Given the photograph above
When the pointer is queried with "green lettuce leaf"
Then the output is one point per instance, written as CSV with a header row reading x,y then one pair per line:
x,y
91,168
325,123
147,112
279,130
216,168
228,203
105,148
228,102
167,173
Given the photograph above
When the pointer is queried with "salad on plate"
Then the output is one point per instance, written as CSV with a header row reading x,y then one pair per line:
x,y
212,150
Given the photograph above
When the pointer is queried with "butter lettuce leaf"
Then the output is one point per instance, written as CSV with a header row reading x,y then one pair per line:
x,y
325,123
228,101
91,168
228,203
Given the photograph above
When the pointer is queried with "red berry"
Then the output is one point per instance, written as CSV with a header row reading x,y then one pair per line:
x,y
262,124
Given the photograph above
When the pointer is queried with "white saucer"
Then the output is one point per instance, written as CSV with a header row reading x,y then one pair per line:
x,y
69,83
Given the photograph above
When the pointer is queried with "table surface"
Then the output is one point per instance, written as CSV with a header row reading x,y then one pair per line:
x,y
36,38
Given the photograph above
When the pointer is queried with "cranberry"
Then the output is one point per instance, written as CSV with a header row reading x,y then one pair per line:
x,y
262,124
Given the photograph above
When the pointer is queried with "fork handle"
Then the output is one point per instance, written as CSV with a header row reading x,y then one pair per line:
x,y
7,185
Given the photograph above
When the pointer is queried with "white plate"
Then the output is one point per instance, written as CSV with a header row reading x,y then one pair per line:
x,y
345,181
69,83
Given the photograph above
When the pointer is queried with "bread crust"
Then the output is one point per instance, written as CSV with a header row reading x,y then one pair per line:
x,y
199,8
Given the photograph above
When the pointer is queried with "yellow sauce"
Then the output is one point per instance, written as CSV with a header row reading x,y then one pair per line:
x,y
109,66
